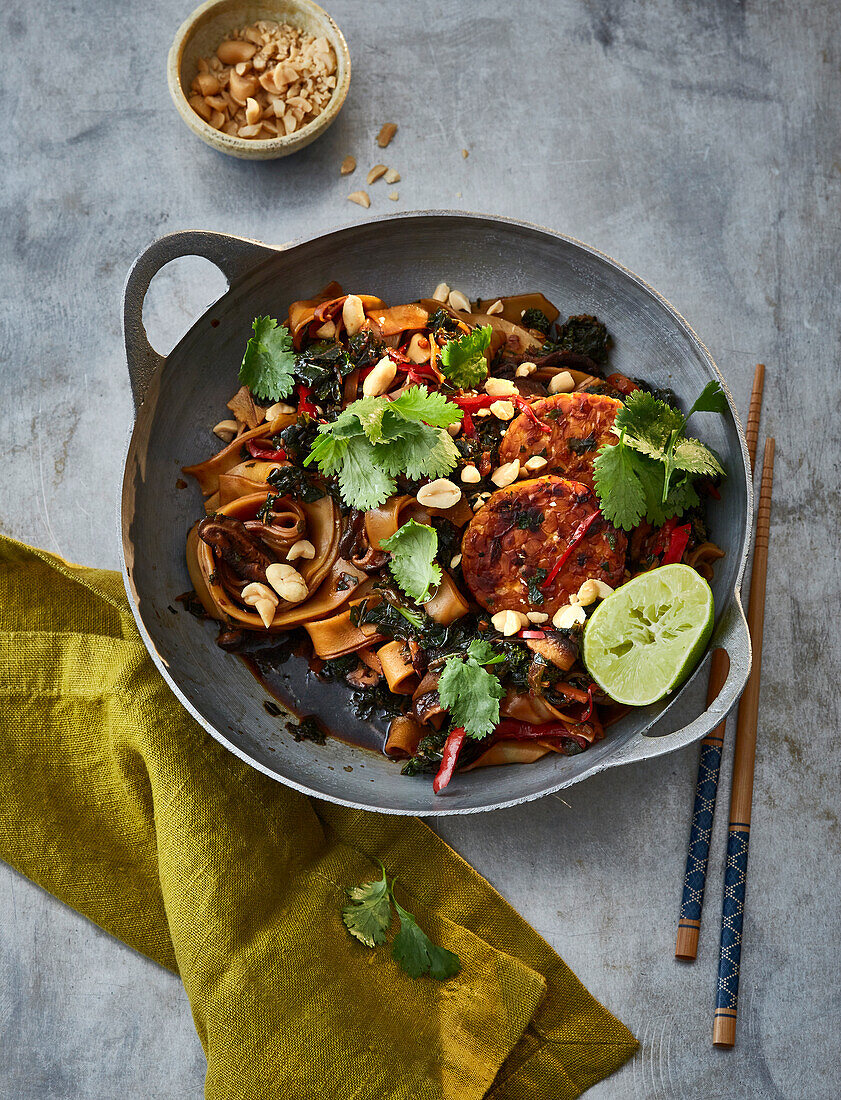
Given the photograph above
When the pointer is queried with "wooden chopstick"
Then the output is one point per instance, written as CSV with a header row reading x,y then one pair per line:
x,y
709,760
741,798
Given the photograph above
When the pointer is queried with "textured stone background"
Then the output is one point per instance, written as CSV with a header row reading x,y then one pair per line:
x,y
696,142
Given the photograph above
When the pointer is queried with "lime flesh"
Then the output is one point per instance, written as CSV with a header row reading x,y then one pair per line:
x,y
645,639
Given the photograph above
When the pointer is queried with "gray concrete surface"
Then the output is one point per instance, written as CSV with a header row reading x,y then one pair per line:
x,y
696,142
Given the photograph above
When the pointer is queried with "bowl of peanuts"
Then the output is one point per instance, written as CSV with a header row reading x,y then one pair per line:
x,y
258,80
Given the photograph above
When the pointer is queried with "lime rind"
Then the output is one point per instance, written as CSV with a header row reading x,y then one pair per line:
x,y
645,639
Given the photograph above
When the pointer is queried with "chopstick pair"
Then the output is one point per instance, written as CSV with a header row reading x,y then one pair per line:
x,y
709,765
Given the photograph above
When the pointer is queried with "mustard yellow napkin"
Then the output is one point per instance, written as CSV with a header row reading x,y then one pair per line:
x,y
115,801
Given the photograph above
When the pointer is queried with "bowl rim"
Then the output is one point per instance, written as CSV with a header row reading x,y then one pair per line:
x,y
732,619
218,138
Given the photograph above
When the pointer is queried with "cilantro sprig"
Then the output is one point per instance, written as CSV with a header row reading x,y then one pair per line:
x,y
649,473
413,548
268,363
469,692
463,361
376,439
368,918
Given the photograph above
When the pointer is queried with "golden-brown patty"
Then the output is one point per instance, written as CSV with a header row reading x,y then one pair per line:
x,y
580,423
527,527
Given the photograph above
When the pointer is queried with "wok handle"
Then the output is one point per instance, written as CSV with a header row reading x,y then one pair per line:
x,y
734,637
234,256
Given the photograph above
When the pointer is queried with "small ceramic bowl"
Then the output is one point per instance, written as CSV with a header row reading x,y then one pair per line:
x,y
201,33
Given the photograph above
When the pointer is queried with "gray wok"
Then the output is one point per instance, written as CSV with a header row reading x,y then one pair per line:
x,y
401,258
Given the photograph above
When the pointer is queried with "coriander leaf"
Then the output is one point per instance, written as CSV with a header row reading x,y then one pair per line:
x,y
463,361
648,424
328,451
712,399
417,403
483,653
413,548
417,451
621,494
696,458
682,497
369,914
417,954
268,364
437,461
362,484
471,695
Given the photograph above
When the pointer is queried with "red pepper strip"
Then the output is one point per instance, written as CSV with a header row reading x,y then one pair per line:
x,y
622,383
577,535
677,544
468,428
258,449
485,400
535,635
449,758
304,403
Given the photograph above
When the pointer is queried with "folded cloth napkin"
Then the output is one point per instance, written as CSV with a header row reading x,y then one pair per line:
x,y
114,800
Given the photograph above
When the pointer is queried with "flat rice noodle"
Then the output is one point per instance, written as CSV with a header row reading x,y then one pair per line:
x,y
336,636
447,604
381,523
508,752
397,319
397,667
212,503
245,478
514,304
323,530
532,709
404,735
368,657
207,473
301,313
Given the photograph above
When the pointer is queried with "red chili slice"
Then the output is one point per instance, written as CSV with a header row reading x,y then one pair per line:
x,y
577,535
449,758
258,448
305,405
678,540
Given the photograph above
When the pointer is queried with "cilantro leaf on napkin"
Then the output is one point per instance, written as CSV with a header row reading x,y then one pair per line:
x,y
368,918
369,914
463,361
416,952
413,548
471,695
268,364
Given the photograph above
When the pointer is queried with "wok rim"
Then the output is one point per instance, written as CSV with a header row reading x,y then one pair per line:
x,y
660,745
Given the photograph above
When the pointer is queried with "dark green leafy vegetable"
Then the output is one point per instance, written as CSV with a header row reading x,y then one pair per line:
x,y
443,322
295,482
535,319
583,334
309,729
323,367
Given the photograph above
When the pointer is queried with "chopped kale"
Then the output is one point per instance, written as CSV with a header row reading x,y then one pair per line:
x,y
297,438
444,323
427,758
533,584
323,366
373,704
449,540
365,350
582,334
265,510
536,319
295,482
394,618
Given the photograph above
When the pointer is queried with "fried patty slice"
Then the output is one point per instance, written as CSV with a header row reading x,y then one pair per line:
x,y
527,527
580,423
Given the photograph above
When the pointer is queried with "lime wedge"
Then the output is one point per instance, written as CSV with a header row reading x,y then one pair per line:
x,y
645,639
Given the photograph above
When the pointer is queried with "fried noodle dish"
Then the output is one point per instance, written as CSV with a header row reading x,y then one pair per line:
x,y
421,504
